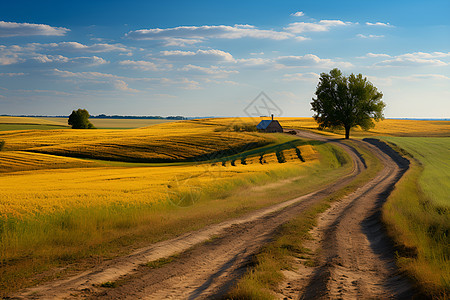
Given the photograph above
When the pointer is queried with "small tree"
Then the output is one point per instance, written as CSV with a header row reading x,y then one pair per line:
x,y
79,119
346,102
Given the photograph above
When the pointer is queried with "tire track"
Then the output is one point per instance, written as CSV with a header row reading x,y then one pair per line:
x,y
356,259
206,270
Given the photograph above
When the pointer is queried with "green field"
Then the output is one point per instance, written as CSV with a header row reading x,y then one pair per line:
x,y
418,213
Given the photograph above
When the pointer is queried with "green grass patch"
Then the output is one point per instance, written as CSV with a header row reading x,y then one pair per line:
x,y
109,284
417,213
160,262
261,281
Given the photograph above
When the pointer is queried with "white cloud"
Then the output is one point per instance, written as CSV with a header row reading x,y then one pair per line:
x,y
42,58
416,59
203,32
370,36
89,61
255,62
377,55
212,70
426,55
78,47
12,74
140,65
123,86
301,38
301,77
323,25
9,29
120,82
309,60
204,55
391,80
379,24
428,76
298,14
8,59
19,54
179,42
8,55
411,62
59,59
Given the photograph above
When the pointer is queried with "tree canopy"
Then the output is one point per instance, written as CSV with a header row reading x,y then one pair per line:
x,y
346,102
79,119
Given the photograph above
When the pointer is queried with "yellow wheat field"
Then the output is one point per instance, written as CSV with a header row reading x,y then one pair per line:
x,y
163,142
13,161
387,127
43,192
32,121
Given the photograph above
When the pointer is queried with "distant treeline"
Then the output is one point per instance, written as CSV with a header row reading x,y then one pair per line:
x,y
103,116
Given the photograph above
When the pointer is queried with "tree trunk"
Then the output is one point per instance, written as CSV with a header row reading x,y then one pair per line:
x,y
347,132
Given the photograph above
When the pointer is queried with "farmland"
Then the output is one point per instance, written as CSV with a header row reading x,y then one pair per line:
x,y
45,123
72,199
57,208
387,127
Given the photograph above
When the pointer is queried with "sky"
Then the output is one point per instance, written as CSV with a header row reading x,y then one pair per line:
x,y
214,58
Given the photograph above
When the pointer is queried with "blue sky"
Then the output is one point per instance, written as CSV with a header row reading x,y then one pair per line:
x,y
211,58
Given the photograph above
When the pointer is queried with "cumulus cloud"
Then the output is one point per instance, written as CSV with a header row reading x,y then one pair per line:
x,y
120,83
377,55
197,33
309,60
140,65
370,36
212,70
203,55
21,54
78,47
59,59
298,14
380,24
179,42
323,25
9,29
255,62
301,77
426,55
432,59
123,86
411,62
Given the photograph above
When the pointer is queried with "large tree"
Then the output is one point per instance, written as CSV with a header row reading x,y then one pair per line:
x,y
79,119
346,102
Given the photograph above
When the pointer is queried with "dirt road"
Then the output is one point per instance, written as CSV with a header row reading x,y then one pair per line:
x,y
356,259
209,268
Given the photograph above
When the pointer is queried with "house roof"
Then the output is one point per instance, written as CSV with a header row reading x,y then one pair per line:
x,y
265,123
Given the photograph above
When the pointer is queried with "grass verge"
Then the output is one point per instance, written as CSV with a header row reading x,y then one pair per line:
x,y
262,279
417,214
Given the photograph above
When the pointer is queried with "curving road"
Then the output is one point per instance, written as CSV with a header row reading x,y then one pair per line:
x,y
356,260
